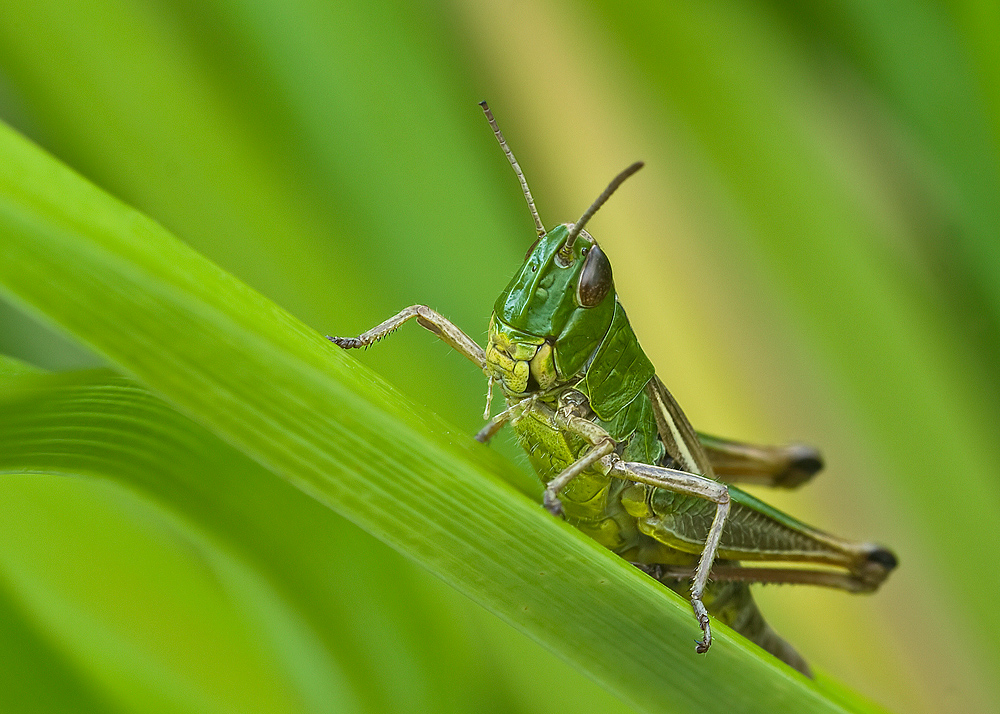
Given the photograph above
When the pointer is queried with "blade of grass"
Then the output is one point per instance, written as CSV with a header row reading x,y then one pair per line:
x,y
400,642
276,551
275,390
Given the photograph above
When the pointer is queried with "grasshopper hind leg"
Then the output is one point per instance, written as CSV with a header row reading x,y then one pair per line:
x,y
787,466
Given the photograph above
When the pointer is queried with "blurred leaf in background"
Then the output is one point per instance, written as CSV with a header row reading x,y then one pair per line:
x,y
811,254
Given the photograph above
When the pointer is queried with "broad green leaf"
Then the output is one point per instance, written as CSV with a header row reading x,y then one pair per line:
x,y
279,558
322,600
32,665
10,367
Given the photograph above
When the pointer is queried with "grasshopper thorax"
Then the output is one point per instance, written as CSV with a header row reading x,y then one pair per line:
x,y
553,314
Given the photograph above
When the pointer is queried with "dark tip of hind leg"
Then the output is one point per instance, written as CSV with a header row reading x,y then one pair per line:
x,y
806,459
884,557
803,462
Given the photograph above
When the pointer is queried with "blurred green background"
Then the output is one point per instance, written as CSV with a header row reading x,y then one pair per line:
x,y
812,253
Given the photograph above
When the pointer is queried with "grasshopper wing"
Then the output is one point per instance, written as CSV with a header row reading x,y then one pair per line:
x,y
678,436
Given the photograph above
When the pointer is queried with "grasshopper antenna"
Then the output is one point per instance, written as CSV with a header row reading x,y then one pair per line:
x,y
589,213
517,169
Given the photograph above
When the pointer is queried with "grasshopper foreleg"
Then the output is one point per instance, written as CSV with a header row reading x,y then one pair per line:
x,y
566,417
691,485
551,498
496,423
427,318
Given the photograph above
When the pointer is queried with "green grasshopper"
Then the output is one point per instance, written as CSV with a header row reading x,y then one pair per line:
x,y
618,457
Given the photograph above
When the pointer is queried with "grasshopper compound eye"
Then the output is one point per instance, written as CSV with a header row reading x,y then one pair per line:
x,y
595,278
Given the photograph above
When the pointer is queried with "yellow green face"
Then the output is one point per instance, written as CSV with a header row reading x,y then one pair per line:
x,y
552,315
520,362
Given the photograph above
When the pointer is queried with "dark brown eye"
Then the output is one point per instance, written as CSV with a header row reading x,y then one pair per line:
x,y
595,278
532,248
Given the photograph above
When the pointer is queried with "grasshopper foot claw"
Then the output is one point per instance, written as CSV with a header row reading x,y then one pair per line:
x,y
701,646
552,504
345,342
655,571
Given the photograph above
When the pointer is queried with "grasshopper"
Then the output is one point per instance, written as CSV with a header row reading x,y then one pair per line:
x,y
619,459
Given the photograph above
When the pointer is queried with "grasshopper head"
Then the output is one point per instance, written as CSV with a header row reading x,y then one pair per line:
x,y
553,314
558,308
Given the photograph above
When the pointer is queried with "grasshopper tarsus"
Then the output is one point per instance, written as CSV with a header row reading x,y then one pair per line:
x,y
655,570
702,646
552,504
347,343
